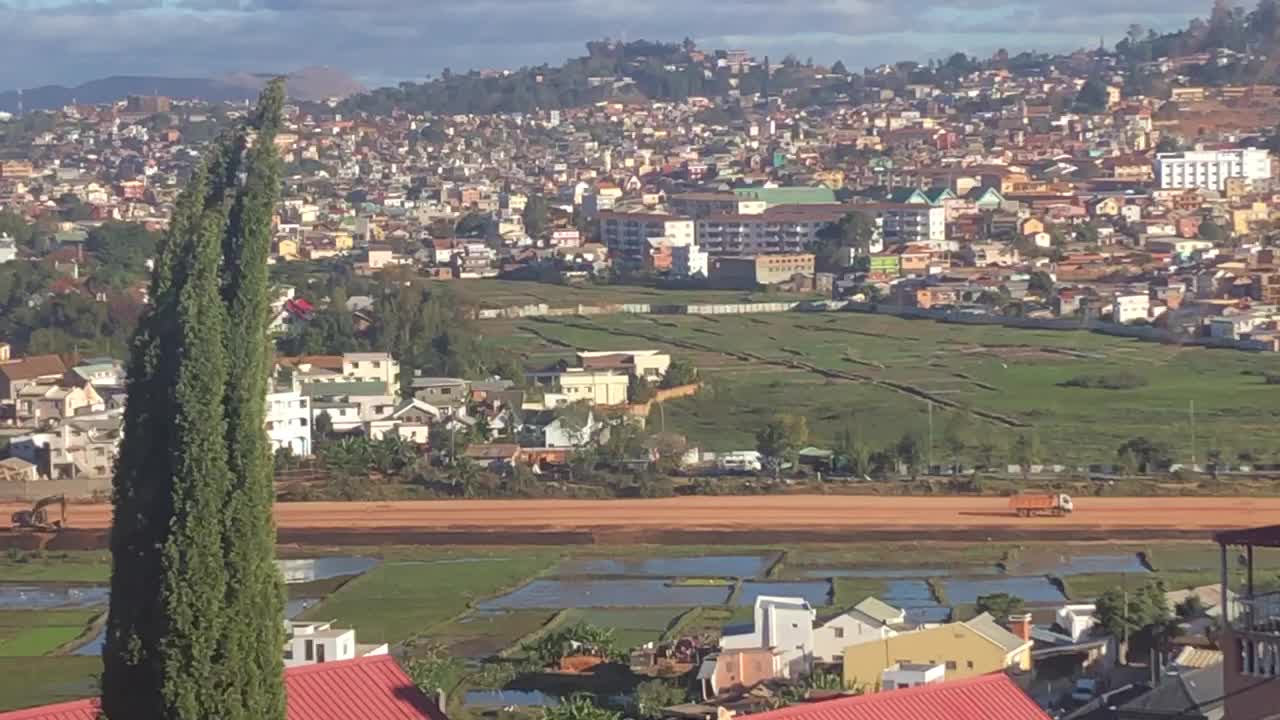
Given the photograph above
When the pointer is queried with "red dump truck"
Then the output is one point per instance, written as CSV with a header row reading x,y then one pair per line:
x,y
1028,504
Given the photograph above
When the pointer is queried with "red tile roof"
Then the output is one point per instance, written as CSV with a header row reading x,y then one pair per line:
x,y
369,688
980,698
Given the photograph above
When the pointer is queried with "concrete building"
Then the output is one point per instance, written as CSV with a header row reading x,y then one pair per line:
x,y
288,419
1210,169
41,403
781,623
82,446
869,620
597,387
1130,307
8,249
627,235
312,643
904,675
702,204
1077,620
786,229
689,261
749,272
649,365
965,649
373,367
910,223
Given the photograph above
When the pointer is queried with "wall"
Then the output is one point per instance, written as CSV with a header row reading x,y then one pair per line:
x,y
78,488
955,642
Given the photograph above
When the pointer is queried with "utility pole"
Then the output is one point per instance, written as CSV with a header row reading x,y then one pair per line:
x,y
1191,411
929,452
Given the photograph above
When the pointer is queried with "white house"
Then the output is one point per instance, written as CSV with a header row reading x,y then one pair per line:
x,y
782,624
904,675
869,620
312,643
288,419
1130,307
8,249
1076,620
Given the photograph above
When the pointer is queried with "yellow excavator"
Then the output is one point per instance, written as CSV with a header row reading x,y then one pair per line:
x,y
38,517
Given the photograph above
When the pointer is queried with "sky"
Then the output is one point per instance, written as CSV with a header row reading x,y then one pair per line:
x,y
386,41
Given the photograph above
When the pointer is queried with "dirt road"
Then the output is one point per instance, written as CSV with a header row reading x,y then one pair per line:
x,y
817,518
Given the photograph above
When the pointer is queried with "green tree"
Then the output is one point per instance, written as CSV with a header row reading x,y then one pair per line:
x,y
579,707
193,628
652,696
1212,231
535,216
1026,452
780,438
910,452
855,230
431,668
999,605
680,372
1092,98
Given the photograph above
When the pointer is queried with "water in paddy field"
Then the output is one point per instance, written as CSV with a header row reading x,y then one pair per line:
x,y
1030,589
509,698
292,609
38,597
310,569
556,594
914,597
1065,565
891,573
817,592
735,566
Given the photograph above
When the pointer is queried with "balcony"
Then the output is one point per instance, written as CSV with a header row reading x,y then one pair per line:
x,y
1250,639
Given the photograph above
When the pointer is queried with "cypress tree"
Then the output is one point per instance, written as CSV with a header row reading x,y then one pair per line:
x,y
193,628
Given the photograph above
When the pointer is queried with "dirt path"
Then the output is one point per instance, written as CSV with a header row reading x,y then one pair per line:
x,y
772,519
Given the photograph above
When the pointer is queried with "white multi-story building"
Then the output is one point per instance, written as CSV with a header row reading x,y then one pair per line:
x,y
627,235
288,421
1210,169
1130,307
8,249
689,261
312,643
911,224
783,229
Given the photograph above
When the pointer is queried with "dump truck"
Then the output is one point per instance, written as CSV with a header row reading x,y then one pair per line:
x,y
39,517
1028,504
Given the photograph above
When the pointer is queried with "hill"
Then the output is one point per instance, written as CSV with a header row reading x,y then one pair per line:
x,y
306,84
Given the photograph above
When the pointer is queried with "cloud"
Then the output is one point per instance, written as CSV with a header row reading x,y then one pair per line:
x,y
389,40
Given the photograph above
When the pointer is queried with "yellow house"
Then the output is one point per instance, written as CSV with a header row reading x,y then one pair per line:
x,y
342,240
967,649
1032,226
287,248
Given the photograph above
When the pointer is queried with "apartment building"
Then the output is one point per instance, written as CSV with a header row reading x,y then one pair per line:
x,y
783,229
910,223
288,419
698,205
1210,169
689,261
81,446
627,235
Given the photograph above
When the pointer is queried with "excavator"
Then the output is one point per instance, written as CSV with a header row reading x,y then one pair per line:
x,y
37,518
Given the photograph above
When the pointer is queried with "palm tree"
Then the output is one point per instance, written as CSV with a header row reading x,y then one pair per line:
x,y
579,707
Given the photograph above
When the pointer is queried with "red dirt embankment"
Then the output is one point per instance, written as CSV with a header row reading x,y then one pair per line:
x,y
762,519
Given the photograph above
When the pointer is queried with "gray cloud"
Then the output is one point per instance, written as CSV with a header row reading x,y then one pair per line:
x,y
388,40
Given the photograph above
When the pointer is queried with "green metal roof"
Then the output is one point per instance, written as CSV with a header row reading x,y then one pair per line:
x,y
789,195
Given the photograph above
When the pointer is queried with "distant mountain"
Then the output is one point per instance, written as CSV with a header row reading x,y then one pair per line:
x,y
313,83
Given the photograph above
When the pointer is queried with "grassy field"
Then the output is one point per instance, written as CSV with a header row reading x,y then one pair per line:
x,y
416,589
28,633
1017,375
29,681
507,293
81,566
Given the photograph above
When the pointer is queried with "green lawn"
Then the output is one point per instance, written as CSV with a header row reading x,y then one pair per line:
x,y
417,588
79,566
30,681
507,293
26,633
1016,374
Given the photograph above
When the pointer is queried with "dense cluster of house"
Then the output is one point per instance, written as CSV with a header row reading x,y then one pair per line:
x,y
64,420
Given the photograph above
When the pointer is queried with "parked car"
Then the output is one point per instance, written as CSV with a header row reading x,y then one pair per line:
x,y
1085,690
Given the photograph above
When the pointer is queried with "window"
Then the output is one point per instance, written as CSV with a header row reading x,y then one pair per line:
x,y
288,652
970,663
310,653
839,632
951,664
377,364
320,653
890,685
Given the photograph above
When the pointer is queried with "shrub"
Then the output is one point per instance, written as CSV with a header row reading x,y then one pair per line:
x,y
1109,381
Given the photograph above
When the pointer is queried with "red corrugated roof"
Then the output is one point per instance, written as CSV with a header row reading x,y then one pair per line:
x,y
980,698
370,688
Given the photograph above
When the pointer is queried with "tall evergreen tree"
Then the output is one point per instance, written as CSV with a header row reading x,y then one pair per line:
x,y
193,629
